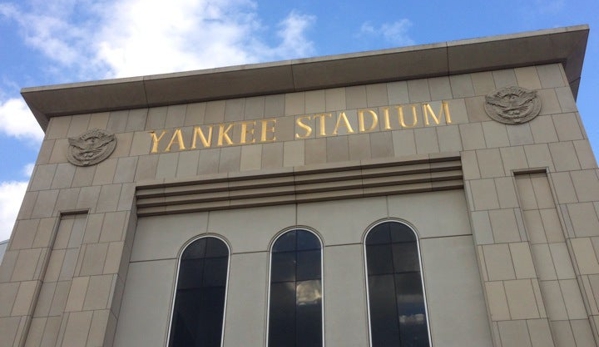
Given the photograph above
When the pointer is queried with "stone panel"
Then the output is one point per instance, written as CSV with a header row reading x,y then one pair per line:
x,y
528,77
398,93
514,333
483,82
418,91
265,223
344,282
504,78
146,280
472,136
163,237
440,88
78,125
453,290
336,226
246,301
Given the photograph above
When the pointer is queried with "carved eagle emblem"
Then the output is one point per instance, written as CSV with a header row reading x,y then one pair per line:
x,y
91,147
512,105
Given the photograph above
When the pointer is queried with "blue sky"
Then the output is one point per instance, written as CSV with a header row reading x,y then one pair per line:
x,y
46,42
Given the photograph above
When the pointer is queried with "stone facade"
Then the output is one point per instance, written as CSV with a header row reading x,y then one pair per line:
x,y
506,215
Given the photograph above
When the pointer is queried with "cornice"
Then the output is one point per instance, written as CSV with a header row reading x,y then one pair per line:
x,y
562,45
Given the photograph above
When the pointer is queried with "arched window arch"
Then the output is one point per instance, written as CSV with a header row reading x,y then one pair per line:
x,y
295,310
199,307
397,309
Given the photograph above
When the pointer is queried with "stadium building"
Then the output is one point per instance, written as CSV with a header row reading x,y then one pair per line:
x,y
437,195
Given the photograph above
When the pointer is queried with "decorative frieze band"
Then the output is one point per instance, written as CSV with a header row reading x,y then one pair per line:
x,y
301,185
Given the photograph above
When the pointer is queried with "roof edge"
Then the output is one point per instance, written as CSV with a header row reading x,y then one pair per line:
x,y
565,45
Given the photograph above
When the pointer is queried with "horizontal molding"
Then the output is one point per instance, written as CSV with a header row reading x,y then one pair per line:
x,y
300,185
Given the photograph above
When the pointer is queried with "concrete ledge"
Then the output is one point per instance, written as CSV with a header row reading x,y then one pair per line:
x,y
563,45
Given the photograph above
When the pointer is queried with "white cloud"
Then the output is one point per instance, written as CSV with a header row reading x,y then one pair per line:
x,y
395,33
47,31
11,197
144,37
138,37
291,32
17,121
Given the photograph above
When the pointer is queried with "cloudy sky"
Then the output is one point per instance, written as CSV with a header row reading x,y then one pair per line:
x,y
46,42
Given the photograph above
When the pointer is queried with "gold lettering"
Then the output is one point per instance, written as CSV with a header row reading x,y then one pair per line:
x,y
322,128
245,131
343,117
402,121
444,109
223,134
156,140
179,137
197,131
445,106
304,126
375,120
386,118
266,129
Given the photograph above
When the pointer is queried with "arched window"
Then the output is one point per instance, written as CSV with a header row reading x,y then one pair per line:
x,y
395,292
200,297
295,315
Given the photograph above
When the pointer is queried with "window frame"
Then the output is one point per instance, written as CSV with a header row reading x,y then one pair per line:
x,y
269,282
425,301
176,283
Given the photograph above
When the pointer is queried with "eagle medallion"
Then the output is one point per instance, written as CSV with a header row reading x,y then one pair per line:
x,y
91,148
513,105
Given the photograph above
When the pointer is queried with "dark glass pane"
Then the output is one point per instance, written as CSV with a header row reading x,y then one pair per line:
x,y
285,242
281,326
209,327
411,310
308,265
195,250
180,335
190,274
379,235
183,327
184,318
309,314
283,267
383,313
379,259
409,293
405,257
307,241
215,272
401,233
200,297
413,331
216,248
